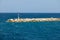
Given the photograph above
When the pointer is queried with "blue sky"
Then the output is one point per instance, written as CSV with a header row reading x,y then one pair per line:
x,y
30,6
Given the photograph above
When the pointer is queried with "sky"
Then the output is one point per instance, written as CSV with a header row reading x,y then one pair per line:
x,y
30,6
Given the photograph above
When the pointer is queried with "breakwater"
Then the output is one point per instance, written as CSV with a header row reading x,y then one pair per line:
x,y
32,19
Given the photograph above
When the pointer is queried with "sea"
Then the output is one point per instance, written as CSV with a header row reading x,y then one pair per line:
x,y
29,30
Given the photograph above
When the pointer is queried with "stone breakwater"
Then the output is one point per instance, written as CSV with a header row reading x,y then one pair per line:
x,y
33,19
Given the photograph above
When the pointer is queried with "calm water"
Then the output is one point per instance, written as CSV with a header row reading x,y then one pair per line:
x,y
29,30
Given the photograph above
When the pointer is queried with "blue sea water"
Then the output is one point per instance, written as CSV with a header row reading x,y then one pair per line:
x,y
29,30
